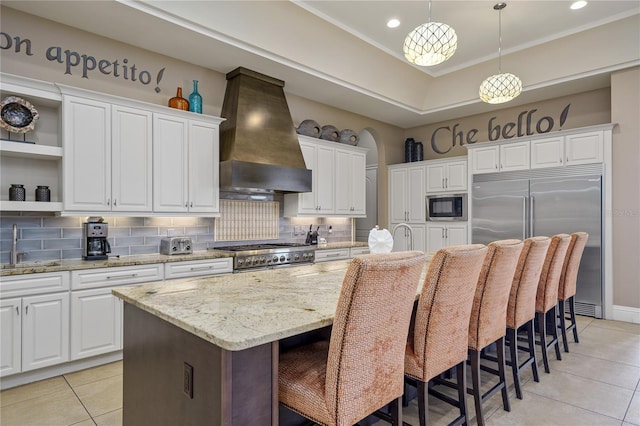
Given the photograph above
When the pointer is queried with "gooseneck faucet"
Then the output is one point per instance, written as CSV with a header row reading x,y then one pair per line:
x,y
14,247
406,226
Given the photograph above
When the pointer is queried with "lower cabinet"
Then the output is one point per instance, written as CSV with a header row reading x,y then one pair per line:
x,y
403,238
96,323
34,332
96,314
333,254
441,235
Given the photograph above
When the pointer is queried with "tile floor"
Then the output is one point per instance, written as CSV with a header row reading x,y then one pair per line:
x,y
597,383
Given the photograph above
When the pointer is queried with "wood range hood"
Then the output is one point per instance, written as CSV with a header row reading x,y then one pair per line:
x,y
259,148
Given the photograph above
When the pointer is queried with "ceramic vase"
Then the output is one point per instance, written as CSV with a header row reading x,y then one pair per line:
x,y
178,102
195,100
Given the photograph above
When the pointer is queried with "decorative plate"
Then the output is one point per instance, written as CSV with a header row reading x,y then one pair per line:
x,y
17,115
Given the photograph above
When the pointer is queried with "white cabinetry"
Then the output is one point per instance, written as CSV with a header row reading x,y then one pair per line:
x,y
351,183
547,152
501,158
185,165
86,134
445,176
332,254
96,315
441,235
107,161
35,327
584,148
198,268
407,193
42,158
339,181
403,238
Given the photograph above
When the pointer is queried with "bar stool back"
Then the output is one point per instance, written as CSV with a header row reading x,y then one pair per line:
x,y
361,368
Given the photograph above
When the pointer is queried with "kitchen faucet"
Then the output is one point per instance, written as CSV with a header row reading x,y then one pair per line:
x,y
404,225
15,255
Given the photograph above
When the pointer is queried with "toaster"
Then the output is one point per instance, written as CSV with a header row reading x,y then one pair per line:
x,y
176,245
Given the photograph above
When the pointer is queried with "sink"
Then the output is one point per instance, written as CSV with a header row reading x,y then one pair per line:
x,y
32,265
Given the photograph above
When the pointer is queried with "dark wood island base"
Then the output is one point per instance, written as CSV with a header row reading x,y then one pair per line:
x,y
228,387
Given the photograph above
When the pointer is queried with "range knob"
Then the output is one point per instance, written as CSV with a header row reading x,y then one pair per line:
x,y
275,259
263,259
310,256
282,259
296,257
240,262
304,256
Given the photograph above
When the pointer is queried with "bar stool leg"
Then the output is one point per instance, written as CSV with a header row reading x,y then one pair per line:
x,y
531,338
556,342
572,314
542,330
561,324
423,402
502,366
512,334
461,375
396,411
477,392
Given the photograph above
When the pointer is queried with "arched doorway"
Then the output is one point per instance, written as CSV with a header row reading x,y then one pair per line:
x,y
364,225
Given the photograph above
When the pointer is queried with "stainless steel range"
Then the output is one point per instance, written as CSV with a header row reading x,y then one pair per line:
x,y
271,255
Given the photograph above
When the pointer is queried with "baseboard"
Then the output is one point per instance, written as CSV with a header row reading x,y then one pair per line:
x,y
626,314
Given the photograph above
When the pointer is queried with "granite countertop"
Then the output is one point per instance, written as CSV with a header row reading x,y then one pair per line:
x,y
113,261
243,310
143,259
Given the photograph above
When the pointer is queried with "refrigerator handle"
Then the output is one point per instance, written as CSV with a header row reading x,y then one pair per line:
x,y
524,218
531,217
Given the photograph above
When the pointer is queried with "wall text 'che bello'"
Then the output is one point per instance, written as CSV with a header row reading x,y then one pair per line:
x,y
528,123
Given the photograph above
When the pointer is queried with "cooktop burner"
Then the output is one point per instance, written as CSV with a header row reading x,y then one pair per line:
x,y
269,255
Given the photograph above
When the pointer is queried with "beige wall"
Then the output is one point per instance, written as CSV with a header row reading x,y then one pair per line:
x,y
625,110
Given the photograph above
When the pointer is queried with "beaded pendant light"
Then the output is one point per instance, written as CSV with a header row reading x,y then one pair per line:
x,y
431,43
501,87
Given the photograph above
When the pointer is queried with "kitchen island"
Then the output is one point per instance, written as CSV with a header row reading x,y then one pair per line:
x,y
205,351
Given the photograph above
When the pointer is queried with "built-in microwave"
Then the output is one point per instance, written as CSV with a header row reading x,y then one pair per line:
x,y
451,207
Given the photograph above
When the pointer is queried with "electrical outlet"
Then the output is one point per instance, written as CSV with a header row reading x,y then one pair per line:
x,y
187,382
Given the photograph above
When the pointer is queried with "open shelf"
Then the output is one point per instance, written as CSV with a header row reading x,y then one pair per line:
x,y
30,206
29,150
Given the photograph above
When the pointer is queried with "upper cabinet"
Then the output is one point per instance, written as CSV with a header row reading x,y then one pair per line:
x,y
446,175
500,158
186,158
339,181
565,148
38,151
137,159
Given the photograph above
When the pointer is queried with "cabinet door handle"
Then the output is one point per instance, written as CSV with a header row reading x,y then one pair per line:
x,y
191,205
115,202
567,160
108,201
443,186
201,268
186,204
17,311
446,182
26,310
496,166
446,233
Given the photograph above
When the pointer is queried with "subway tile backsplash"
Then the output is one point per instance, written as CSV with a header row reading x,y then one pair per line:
x,y
48,237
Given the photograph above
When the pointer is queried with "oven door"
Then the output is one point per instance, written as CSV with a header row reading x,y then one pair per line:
x,y
447,207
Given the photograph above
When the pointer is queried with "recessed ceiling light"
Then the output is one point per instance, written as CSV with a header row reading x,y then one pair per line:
x,y
393,23
578,5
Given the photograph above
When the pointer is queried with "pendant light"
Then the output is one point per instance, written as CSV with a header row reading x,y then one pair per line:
x,y
501,87
431,43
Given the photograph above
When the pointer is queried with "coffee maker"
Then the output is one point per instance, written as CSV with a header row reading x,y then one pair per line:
x,y
94,241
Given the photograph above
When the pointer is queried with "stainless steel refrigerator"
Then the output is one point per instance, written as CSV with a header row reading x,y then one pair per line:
x,y
546,202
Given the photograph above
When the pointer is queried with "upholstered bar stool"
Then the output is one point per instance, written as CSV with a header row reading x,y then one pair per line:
x,y
438,339
488,320
547,296
361,368
521,310
567,286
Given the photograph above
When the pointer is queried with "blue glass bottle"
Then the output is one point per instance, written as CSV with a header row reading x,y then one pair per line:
x,y
195,100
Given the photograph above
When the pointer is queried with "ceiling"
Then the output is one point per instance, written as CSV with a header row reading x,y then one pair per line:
x,y
258,35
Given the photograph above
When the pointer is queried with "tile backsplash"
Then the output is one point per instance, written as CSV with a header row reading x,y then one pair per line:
x,y
48,237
